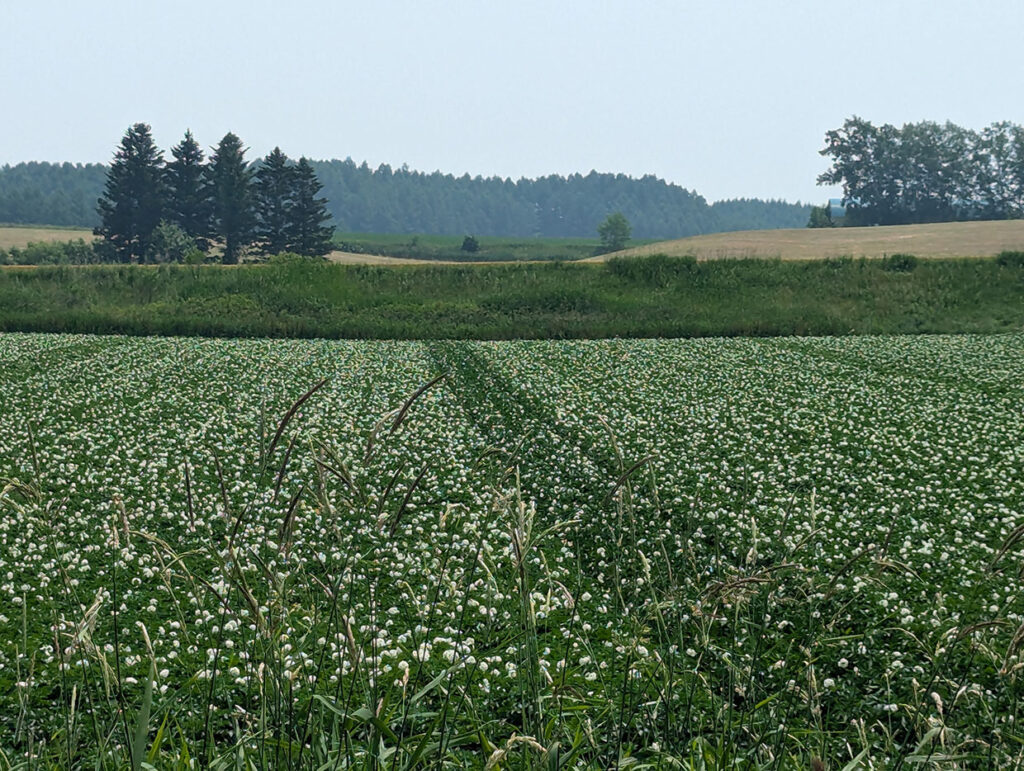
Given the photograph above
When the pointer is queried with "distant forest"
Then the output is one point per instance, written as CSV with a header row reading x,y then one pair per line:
x,y
383,200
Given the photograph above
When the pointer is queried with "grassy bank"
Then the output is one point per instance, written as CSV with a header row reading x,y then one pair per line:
x,y
650,297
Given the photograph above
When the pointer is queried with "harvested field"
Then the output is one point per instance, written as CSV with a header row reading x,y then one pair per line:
x,y
945,239
20,237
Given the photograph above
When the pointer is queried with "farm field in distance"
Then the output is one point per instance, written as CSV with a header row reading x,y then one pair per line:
x,y
21,236
742,553
942,240
372,248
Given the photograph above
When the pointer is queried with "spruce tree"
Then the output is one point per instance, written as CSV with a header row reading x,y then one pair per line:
x,y
234,218
132,202
307,232
275,189
189,199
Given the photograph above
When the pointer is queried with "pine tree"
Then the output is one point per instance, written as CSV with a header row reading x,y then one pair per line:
x,y
307,232
132,202
189,196
275,189
233,214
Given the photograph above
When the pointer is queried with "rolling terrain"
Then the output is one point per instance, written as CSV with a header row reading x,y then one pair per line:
x,y
945,239
940,240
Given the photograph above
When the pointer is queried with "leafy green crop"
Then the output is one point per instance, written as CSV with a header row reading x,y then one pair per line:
x,y
652,553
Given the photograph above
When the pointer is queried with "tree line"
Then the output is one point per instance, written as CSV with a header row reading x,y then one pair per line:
x,y
385,200
152,210
39,193
924,172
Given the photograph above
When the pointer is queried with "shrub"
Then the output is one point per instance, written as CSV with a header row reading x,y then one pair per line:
x,y
470,244
899,263
838,263
1010,259
169,244
52,253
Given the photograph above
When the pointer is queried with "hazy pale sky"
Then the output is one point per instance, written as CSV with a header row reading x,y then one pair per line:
x,y
729,98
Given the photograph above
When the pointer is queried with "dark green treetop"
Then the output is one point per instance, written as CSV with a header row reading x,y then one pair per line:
x,y
132,202
234,218
275,201
189,196
308,231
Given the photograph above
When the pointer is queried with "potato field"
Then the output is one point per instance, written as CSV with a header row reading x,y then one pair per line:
x,y
591,554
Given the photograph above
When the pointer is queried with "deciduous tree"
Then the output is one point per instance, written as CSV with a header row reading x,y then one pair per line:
x,y
614,232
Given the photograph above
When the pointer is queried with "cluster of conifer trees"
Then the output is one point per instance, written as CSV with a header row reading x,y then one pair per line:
x,y
147,203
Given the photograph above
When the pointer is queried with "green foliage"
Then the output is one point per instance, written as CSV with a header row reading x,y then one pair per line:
x,y
926,172
170,243
308,232
616,554
470,244
361,199
656,297
1010,259
899,263
76,252
274,202
614,232
233,206
189,194
132,202
398,201
820,218
655,270
62,194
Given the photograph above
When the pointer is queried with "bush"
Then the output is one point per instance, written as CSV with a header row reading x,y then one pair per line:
x,y
899,263
838,263
170,244
1010,259
470,244
76,252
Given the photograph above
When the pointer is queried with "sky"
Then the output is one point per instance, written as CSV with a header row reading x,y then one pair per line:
x,y
729,98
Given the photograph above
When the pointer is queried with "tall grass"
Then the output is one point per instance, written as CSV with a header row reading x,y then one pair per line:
x,y
646,297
